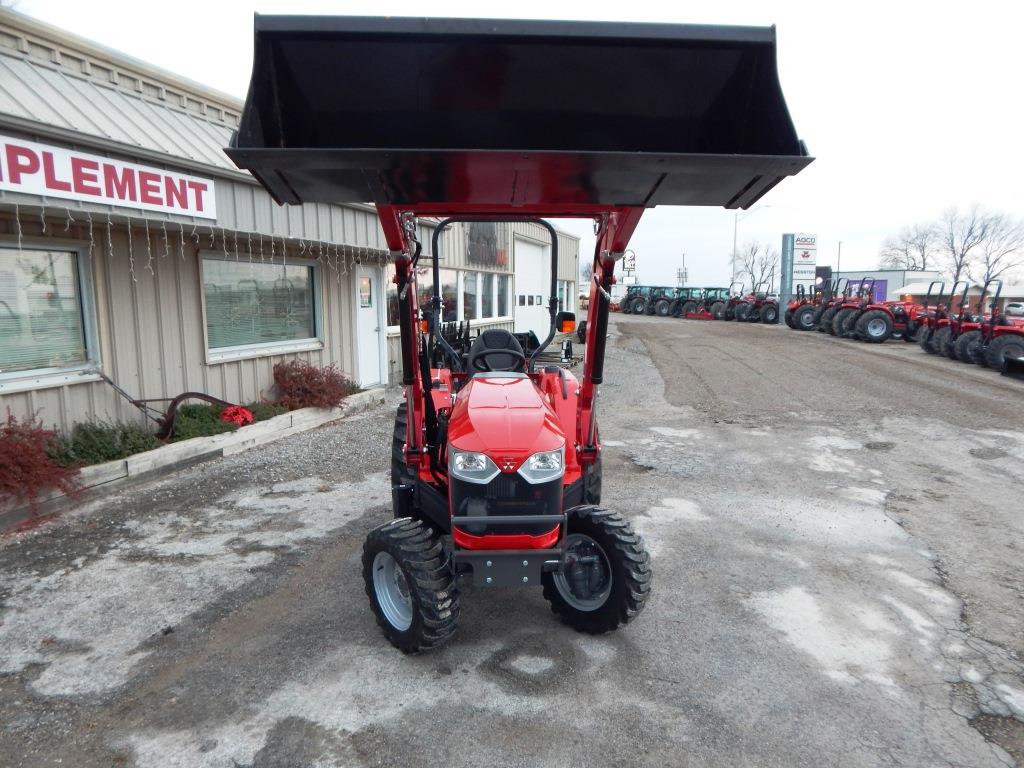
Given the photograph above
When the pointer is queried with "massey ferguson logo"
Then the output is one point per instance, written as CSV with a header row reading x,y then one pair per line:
x,y
508,464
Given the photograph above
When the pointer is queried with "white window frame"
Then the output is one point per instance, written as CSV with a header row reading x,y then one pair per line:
x,y
79,373
270,348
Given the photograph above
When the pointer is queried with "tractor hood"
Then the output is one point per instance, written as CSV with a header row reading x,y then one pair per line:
x,y
407,111
506,418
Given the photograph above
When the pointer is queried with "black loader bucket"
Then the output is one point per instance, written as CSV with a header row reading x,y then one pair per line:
x,y
514,113
1014,367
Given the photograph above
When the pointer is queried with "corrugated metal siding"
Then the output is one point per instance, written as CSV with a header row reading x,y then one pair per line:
x,y
53,96
151,331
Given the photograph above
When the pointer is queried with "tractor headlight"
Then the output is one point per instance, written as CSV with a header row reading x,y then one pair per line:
x,y
544,466
471,467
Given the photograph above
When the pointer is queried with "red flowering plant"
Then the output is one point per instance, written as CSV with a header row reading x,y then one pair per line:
x,y
238,415
26,467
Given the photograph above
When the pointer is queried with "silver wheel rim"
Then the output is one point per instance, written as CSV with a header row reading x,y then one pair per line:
x,y
597,574
392,591
876,327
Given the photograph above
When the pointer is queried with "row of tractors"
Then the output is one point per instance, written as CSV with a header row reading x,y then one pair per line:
x,y
945,324
732,303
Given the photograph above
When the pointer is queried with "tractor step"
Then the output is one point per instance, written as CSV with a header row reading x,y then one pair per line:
x,y
508,567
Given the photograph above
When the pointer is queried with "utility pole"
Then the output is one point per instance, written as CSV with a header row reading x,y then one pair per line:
x,y
839,256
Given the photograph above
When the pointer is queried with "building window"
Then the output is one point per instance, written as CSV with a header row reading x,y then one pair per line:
x,y
43,322
469,295
503,286
561,295
256,307
486,294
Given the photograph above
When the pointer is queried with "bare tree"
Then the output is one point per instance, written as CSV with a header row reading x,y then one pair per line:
x,y
586,272
760,262
912,248
1001,250
960,236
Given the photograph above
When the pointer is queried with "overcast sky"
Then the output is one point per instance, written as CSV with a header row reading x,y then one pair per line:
x,y
909,107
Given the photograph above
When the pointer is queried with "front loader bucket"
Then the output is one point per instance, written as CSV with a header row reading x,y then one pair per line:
x,y
1014,367
502,113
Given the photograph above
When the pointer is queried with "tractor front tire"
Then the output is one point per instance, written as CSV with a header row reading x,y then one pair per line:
x,y
663,308
804,318
874,327
1001,347
718,310
639,306
924,340
770,314
411,585
581,332
688,306
962,345
742,312
611,589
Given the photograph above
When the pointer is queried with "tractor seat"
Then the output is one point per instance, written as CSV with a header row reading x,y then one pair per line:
x,y
495,338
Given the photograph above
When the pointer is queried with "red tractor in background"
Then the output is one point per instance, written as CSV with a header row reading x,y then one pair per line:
x,y
726,308
993,340
877,321
758,306
851,303
702,307
965,330
935,331
496,462
831,306
805,310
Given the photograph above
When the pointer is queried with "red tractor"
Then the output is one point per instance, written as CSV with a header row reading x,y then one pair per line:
x,y
850,304
758,306
805,310
496,463
992,340
934,333
831,306
726,309
877,321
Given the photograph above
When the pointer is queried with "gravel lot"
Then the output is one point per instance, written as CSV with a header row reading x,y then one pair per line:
x,y
837,547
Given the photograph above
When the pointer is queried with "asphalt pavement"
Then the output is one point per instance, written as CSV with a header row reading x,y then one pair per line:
x,y
836,538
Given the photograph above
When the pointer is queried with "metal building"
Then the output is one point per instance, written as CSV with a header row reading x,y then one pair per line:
x,y
130,245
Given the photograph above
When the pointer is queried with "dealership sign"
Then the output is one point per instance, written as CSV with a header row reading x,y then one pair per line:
x,y
39,169
805,259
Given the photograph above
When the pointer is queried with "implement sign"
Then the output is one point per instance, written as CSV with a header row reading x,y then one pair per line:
x,y
38,169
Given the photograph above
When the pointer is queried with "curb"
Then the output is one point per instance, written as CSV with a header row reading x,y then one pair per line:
x,y
169,458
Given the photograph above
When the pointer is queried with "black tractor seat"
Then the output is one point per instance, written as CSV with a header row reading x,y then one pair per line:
x,y
485,355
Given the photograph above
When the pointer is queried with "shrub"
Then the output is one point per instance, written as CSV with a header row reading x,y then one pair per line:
x,y
26,469
303,385
264,411
97,441
199,421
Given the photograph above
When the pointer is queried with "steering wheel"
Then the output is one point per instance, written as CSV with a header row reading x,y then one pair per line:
x,y
481,365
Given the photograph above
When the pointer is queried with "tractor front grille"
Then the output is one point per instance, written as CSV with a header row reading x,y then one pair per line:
x,y
507,494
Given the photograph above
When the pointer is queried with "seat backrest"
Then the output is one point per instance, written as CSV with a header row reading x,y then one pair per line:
x,y
496,338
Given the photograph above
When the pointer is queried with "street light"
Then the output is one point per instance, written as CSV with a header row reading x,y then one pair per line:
x,y
736,219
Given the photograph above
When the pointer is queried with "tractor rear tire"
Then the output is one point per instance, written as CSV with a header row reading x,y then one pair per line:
x,y
1001,347
663,308
963,343
742,312
803,318
770,314
639,306
924,340
838,325
874,327
411,584
825,320
788,317
592,483
623,581
625,306
718,310
688,306
941,339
